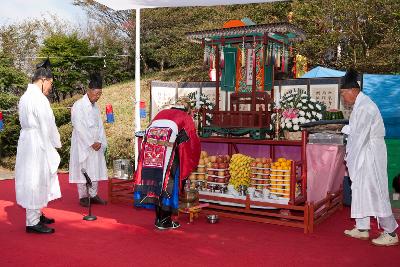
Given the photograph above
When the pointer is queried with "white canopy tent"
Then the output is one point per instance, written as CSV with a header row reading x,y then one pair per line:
x,y
139,4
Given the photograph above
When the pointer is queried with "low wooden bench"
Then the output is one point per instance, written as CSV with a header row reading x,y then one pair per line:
x,y
193,211
120,190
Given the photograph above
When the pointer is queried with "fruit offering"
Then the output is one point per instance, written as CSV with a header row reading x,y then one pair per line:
x,y
200,173
280,177
240,170
218,170
260,170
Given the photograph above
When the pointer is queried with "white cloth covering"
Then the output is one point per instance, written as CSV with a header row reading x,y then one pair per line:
x,y
388,224
82,191
36,180
87,129
367,160
32,217
129,4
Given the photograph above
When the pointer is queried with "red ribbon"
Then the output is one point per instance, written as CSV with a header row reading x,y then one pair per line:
x,y
109,109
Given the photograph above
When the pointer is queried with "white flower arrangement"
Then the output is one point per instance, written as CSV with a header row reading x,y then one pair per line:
x,y
299,108
204,102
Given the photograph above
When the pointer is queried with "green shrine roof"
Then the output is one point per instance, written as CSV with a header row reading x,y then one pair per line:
x,y
280,31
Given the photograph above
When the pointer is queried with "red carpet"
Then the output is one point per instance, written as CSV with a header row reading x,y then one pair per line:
x,y
123,236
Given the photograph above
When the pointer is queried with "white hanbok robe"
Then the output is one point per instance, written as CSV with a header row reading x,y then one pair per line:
x,y
36,180
366,158
87,129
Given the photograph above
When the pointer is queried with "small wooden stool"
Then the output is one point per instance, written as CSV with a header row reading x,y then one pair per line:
x,y
193,211
120,190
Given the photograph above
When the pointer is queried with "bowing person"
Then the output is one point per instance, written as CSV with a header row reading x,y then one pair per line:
x,y
170,152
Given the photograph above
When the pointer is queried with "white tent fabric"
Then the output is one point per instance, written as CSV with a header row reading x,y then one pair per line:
x,y
135,4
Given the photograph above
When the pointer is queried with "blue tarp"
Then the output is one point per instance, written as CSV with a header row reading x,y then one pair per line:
x,y
384,90
322,72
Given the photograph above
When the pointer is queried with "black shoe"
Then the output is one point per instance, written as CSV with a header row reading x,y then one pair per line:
x,y
164,224
39,228
45,220
175,225
98,200
84,202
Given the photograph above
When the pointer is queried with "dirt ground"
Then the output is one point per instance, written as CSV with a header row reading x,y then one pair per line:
x,y
6,174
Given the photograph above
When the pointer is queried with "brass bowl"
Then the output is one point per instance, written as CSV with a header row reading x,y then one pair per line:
x,y
212,218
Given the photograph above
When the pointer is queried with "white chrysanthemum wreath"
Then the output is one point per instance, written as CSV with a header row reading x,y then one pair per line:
x,y
297,108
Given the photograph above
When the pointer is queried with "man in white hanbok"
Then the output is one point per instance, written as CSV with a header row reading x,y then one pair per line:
x,y
366,160
88,144
36,180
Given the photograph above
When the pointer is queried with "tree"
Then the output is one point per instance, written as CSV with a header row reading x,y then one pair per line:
x,y
20,43
163,42
72,61
344,33
12,80
116,62
340,33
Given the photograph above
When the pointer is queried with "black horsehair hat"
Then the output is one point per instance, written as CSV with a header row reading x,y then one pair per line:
x,y
96,81
43,70
349,80
45,64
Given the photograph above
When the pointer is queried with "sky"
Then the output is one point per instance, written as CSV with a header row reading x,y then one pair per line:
x,y
12,11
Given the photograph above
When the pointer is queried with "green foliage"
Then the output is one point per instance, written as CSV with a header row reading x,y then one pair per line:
x,y
116,64
19,45
65,135
71,64
341,33
68,102
11,79
9,136
163,41
61,114
119,147
164,44
62,110
8,101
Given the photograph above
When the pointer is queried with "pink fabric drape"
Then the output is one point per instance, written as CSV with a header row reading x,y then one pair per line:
x,y
325,170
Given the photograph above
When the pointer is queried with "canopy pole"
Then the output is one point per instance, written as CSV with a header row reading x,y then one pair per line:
x,y
137,83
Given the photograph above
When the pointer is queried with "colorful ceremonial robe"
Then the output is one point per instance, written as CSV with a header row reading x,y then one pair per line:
x,y
170,151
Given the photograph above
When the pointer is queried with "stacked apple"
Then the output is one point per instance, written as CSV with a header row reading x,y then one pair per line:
x,y
200,173
260,171
218,169
280,177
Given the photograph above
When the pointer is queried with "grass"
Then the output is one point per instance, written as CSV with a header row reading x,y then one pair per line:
x,y
120,134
